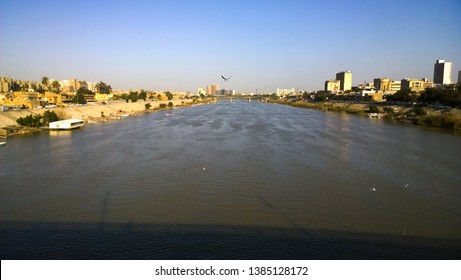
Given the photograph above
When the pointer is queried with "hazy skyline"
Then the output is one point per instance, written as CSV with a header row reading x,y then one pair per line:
x,y
264,45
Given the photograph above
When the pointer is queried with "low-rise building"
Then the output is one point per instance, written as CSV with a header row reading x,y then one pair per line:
x,y
19,99
415,85
332,86
386,85
285,91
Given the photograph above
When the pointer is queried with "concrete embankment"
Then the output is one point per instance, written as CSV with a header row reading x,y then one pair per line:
x,y
90,112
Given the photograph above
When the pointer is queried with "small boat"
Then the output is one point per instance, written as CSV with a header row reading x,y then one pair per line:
x,y
375,115
2,144
169,114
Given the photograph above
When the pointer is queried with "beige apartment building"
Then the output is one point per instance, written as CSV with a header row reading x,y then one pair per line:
x,y
211,89
415,85
345,79
387,85
332,86
30,100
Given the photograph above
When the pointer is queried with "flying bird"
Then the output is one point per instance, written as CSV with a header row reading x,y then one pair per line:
x,y
226,79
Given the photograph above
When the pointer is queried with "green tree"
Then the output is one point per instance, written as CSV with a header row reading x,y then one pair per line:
x,y
85,91
45,81
79,98
133,96
124,96
170,104
404,96
320,96
447,96
102,87
55,86
148,106
49,116
15,86
142,95
30,120
169,95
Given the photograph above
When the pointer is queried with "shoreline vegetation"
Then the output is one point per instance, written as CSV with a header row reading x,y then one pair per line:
x,y
439,117
90,113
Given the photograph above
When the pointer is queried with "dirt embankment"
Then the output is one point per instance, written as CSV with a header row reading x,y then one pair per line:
x,y
88,112
448,118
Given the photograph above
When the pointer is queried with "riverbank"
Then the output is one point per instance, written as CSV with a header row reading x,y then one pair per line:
x,y
89,113
434,117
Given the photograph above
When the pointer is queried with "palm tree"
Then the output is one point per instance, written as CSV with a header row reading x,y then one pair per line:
x,y
55,85
45,82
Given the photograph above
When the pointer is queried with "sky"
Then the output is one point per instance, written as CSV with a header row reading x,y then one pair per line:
x,y
265,45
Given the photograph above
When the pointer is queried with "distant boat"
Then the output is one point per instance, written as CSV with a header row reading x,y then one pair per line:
x,y
169,114
375,115
2,144
66,124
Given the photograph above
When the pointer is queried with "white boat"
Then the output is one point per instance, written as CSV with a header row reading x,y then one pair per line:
x,y
375,115
66,124
2,144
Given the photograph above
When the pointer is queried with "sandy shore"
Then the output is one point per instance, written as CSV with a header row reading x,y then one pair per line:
x,y
91,112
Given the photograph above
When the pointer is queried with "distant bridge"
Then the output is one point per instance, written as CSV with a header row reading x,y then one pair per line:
x,y
244,97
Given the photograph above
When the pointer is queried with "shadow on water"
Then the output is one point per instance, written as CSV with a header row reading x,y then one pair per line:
x,y
281,214
105,203
46,240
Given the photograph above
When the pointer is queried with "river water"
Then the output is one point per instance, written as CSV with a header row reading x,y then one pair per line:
x,y
233,180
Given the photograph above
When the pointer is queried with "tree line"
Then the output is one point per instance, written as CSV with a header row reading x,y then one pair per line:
x,y
38,120
447,95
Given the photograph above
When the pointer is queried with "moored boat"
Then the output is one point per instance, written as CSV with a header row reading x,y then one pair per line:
x,y
66,124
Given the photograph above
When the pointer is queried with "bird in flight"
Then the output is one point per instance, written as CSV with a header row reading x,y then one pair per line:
x,y
226,79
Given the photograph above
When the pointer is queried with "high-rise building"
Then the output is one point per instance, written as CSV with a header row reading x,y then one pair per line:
x,y
211,89
442,72
345,79
459,76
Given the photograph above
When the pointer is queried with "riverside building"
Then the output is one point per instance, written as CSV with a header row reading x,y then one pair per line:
x,y
442,72
345,79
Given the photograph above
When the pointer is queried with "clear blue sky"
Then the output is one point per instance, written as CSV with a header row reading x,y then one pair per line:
x,y
183,45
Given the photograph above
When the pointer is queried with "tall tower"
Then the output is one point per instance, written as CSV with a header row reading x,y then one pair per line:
x,y
442,72
345,79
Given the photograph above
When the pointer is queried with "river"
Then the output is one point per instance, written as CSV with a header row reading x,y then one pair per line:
x,y
233,180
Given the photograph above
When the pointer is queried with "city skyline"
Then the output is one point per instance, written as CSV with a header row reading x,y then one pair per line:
x,y
184,46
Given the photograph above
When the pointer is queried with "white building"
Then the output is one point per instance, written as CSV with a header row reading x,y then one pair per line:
x,y
285,91
442,72
345,79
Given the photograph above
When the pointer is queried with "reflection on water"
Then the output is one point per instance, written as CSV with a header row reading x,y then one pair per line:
x,y
295,180
60,133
